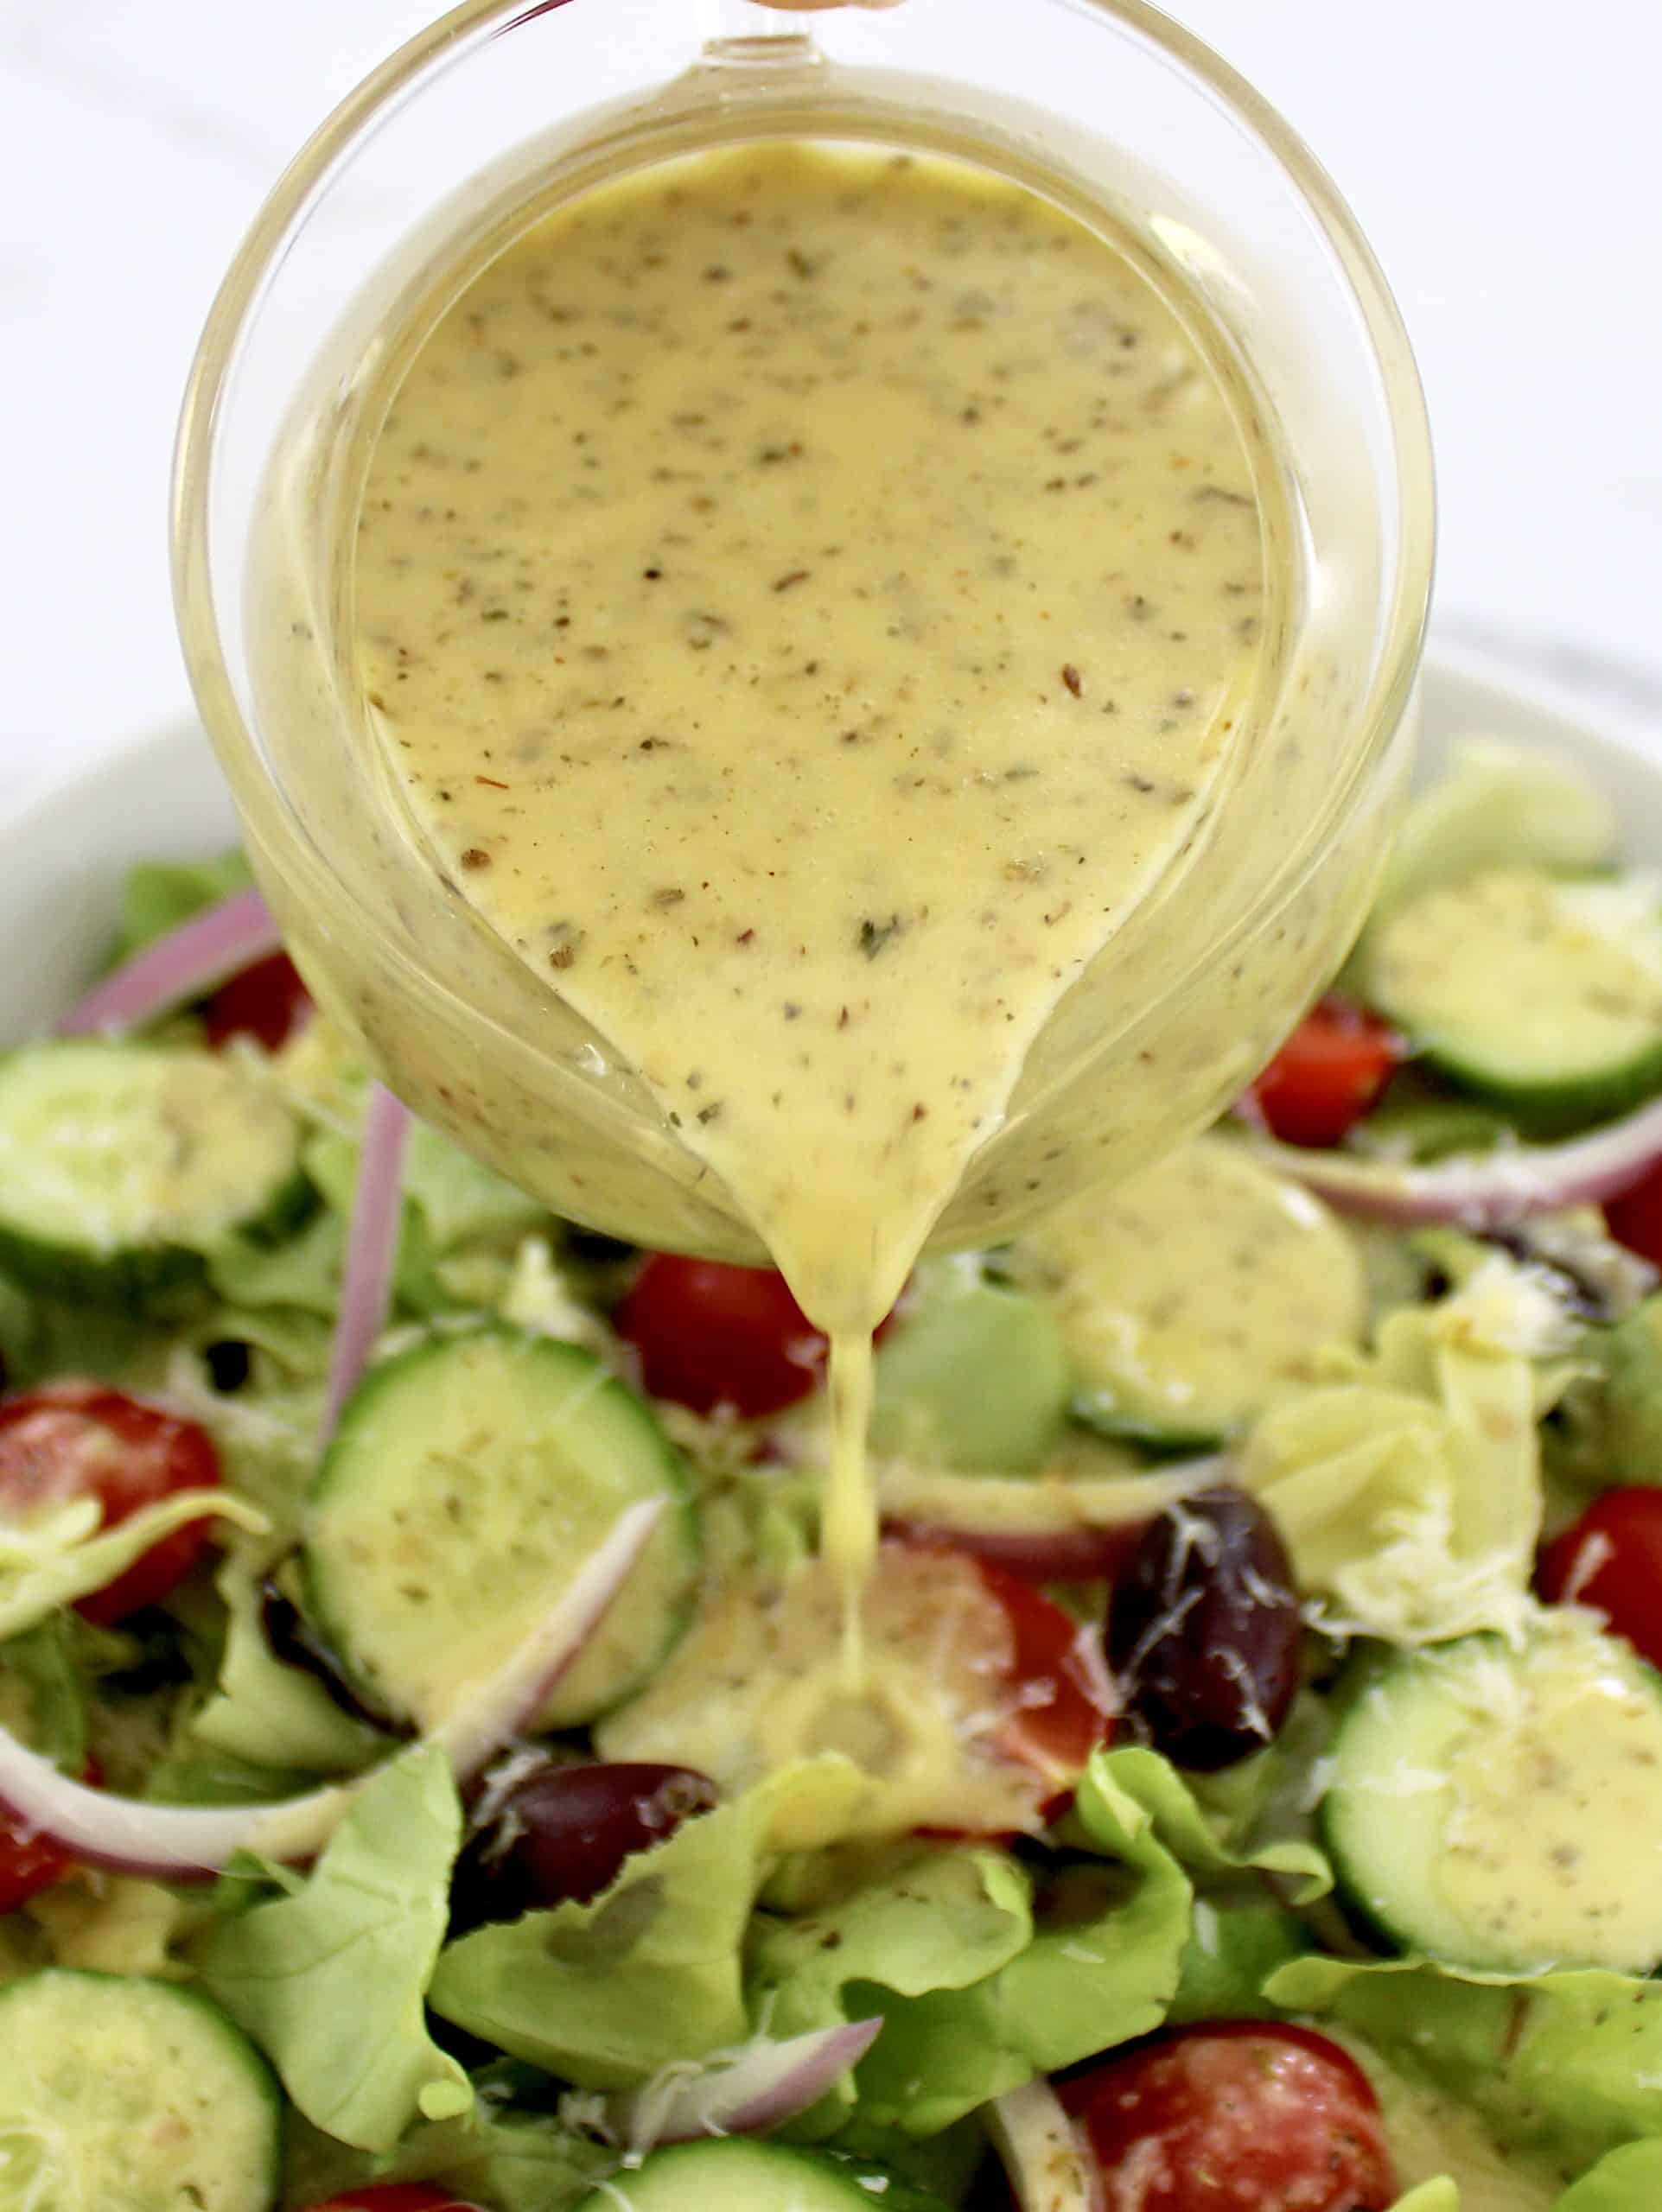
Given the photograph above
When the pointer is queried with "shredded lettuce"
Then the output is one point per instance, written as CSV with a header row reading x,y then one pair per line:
x,y
605,1993
42,1698
1409,1488
329,1980
264,1711
49,1562
983,1986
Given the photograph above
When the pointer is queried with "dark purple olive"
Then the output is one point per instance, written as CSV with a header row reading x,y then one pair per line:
x,y
547,1833
1203,1630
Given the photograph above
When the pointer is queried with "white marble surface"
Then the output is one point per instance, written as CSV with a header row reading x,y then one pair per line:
x,y
1504,154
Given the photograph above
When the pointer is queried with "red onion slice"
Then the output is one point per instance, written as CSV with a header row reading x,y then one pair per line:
x,y
1048,2162
1481,1190
186,963
372,1248
171,1841
739,2093
1045,1528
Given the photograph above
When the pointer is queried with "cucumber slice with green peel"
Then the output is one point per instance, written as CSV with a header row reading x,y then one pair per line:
x,y
736,2174
1540,992
1499,805
1187,1297
1498,1807
467,1481
1100,1412
131,2096
122,1166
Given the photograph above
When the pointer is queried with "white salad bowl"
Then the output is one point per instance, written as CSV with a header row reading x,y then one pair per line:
x,y
161,796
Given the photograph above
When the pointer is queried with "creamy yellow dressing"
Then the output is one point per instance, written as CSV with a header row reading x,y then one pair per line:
x,y
808,602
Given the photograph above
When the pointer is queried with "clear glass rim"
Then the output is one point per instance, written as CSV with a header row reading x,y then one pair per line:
x,y
1401,634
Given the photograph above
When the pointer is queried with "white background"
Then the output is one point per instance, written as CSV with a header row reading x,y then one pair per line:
x,y
1505,155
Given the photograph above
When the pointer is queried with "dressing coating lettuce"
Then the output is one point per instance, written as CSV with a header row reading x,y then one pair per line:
x,y
1409,1487
1566,2064
983,1984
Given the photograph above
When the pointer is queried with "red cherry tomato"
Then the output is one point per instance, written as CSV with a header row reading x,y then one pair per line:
x,y
267,1001
30,1863
76,1439
1612,1559
1237,2117
396,2196
710,1335
1327,1075
1635,1217
1066,1711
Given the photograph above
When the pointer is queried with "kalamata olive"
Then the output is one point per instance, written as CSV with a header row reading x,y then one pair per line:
x,y
1203,1630
546,1832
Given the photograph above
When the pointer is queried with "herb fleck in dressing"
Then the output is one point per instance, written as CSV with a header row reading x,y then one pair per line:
x,y
807,599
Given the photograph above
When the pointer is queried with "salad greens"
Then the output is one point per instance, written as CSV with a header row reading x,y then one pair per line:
x,y
330,1978
1410,1469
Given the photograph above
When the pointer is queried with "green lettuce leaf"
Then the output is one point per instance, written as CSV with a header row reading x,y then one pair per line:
x,y
156,896
303,1272
1409,1488
605,1993
49,1562
1231,1952
517,2162
43,1700
1627,2180
330,1981
981,1986
264,1711
1568,2064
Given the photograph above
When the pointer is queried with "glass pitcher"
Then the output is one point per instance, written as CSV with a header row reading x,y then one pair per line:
x,y
489,118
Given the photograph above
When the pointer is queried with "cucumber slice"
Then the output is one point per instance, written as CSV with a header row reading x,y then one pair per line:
x,y
738,2175
123,1165
1499,1808
1188,1296
1499,805
1541,993
468,1478
134,2096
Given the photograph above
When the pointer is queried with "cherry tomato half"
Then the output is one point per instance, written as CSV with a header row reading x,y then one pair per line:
x,y
396,2196
1327,1074
710,1335
1612,1559
1064,1709
1239,2116
1635,1217
75,1439
30,1863
267,1001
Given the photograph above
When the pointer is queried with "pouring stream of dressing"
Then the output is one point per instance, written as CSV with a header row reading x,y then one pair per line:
x,y
807,599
